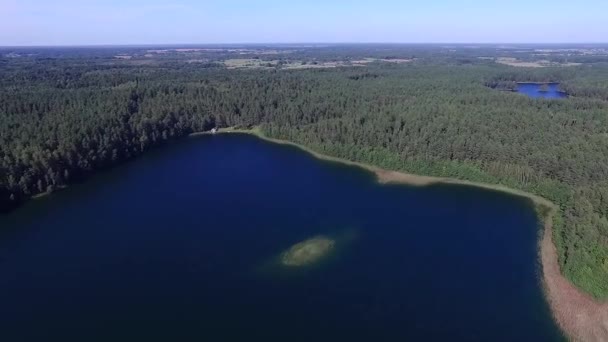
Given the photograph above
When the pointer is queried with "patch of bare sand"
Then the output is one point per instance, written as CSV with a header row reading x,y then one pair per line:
x,y
385,176
580,316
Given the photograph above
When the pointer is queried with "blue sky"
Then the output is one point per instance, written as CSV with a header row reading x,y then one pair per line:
x,y
84,22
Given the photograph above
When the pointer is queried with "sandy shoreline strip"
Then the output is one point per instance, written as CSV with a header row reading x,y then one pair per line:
x,y
581,317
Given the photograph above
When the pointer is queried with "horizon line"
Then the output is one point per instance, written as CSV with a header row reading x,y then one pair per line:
x,y
293,43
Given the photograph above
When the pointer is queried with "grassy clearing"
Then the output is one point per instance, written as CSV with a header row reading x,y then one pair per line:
x,y
514,62
251,63
254,63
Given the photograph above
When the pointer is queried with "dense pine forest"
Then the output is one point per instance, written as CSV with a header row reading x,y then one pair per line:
x,y
66,113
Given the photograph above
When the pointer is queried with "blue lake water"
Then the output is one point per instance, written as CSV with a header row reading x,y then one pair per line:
x,y
183,245
534,90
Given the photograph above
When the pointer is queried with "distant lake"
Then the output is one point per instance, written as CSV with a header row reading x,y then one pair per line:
x,y
534,90
183,244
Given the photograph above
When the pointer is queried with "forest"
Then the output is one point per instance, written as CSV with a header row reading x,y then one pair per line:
x,y
65,114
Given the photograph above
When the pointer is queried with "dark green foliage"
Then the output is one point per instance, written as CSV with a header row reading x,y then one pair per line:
x,y
63,118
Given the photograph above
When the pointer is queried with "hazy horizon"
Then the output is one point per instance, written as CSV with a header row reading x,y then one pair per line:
x,y
240,22
308,44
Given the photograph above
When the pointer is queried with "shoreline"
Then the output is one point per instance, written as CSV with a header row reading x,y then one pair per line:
x,y
580,316
393,177
537,82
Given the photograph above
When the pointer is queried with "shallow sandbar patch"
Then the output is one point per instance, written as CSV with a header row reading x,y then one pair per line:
x,y
307,252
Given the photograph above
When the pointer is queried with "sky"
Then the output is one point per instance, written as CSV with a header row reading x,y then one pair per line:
x,y
118,22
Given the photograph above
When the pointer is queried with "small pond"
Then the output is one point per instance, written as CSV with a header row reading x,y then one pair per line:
x,y
541,90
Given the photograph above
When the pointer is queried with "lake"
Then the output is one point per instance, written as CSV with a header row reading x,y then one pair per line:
x,y
534,90
184,243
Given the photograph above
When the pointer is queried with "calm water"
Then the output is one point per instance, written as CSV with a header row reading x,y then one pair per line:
x,y
534,90
182,244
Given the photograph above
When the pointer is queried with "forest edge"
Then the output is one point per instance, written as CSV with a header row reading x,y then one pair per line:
x,y
580,316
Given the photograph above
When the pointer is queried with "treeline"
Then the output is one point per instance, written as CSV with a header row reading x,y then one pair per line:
x,y
51,136
60,121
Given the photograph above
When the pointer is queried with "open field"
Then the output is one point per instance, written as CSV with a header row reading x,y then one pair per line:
x,y
511,61
255,63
